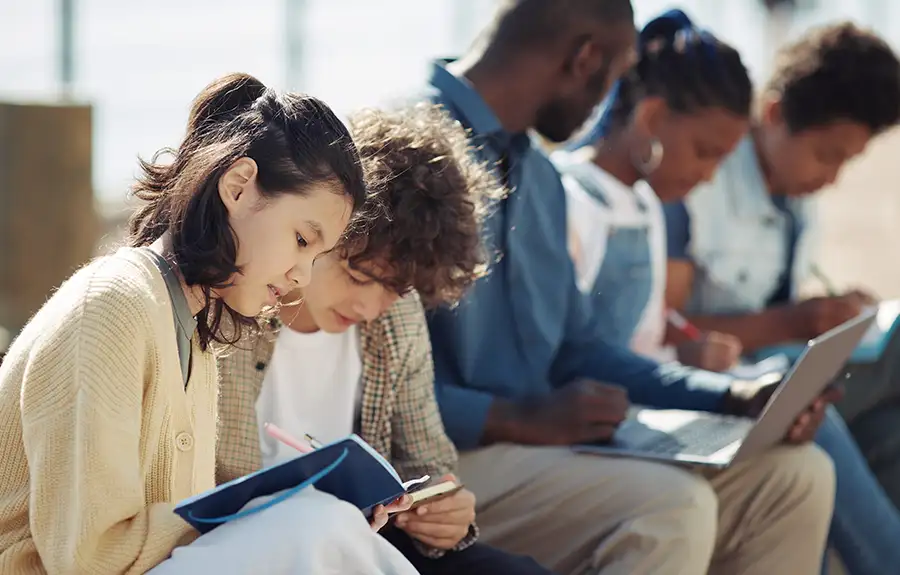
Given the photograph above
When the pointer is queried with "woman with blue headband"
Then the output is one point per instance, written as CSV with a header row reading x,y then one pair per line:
x,y
669,123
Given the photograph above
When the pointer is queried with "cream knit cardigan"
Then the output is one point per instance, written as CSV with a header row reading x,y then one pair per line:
x,y
98,435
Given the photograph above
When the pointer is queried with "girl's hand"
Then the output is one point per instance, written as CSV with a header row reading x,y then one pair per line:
x,y
382,512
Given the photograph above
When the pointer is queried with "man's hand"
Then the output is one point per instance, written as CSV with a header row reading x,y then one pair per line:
x,y
815,316
716,351
581,412
442,523
864,296
381,514
750,398
807,423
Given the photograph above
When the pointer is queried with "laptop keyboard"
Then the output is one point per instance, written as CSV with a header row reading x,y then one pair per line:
x,y
701,437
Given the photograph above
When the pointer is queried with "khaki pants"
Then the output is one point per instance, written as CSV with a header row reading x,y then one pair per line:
x,y
585,514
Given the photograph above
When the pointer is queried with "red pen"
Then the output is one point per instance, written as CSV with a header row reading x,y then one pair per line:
x,y
681,323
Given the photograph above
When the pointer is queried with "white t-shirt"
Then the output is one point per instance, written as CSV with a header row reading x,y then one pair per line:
x,y
312,385
590,223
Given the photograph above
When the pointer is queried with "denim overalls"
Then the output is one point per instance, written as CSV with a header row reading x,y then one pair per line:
x,y
621,288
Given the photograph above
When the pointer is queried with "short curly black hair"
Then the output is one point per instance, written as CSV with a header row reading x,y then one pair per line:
x,y
428,197
838,72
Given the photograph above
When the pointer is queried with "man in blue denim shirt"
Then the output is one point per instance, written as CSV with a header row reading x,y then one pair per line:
x,y
518,367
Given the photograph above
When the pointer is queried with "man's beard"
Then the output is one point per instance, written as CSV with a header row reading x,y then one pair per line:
x,y
559,119
555,121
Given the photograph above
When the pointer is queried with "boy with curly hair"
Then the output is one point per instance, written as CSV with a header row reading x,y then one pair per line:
x,y
353,352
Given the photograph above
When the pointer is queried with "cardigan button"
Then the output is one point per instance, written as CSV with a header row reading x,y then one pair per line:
x,y
184,441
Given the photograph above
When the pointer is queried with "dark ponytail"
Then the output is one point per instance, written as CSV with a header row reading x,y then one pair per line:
x,y
223,100
296,142
686,66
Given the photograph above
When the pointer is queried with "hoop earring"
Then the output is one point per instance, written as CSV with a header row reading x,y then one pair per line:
x,y
647,166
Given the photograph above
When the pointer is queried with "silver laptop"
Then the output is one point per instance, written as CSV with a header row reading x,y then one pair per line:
x,y
700,438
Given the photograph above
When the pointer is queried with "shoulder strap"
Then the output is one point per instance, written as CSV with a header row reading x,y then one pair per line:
x,y
589,185
179,302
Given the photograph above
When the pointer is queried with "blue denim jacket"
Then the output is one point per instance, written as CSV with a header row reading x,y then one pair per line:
x,y
523,330
738,239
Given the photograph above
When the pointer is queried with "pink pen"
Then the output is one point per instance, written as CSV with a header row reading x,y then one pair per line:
x,y
286,438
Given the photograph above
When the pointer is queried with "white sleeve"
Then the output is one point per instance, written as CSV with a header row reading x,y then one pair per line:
x,y
589,224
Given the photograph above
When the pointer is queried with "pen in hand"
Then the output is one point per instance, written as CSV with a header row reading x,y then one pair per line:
x,y
830,288
682,324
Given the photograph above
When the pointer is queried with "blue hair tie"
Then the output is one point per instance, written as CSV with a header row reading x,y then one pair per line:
x,y
683,27
674,15
707,44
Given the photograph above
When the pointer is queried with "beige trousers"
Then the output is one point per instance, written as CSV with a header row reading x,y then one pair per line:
x,y
585,514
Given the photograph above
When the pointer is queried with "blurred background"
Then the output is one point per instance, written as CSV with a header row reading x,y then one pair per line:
x,y
88,85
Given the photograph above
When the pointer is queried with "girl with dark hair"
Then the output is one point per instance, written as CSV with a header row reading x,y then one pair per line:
x,y
108,396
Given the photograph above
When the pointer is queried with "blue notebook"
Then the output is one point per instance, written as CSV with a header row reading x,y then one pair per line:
x,y
349,469
870,348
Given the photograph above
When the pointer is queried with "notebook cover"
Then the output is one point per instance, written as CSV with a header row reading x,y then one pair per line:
x,y
363,479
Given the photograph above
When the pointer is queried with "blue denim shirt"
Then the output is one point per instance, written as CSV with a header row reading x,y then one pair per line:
x,y
748,248
523,330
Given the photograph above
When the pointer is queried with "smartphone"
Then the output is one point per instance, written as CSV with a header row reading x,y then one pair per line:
x,y
432,491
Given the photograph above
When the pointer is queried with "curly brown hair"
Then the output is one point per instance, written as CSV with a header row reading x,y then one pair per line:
x,y
428,197
838,72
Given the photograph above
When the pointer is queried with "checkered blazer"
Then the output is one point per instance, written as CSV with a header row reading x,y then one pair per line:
x,y
399,415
